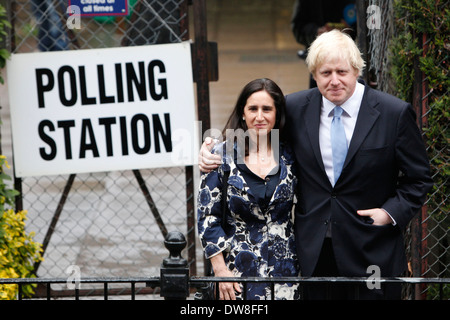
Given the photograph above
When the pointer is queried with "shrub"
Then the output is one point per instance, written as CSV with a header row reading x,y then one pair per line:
x,y
422,50
4,54
18,250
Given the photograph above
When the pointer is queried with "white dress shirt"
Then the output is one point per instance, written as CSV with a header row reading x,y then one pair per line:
x,y
348,118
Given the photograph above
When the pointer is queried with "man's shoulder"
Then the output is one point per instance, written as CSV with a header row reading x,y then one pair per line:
x,y
302,94
299,98
386,100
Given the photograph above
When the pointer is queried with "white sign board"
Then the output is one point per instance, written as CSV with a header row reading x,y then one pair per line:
x,y
102,109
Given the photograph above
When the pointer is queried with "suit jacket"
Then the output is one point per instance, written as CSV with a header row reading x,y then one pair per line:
x,y
386,167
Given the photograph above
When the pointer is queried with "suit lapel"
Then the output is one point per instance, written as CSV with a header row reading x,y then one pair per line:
x,y
312,122
367,117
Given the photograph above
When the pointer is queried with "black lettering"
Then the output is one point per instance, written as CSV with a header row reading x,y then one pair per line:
x,y
107,122
85,100
135,134
61,86
41,88
158,131
86,130
162,82
123,135
47,139
66,125
101,86
132,79
119,83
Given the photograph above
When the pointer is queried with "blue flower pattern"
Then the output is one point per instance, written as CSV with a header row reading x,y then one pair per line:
x,y
254,242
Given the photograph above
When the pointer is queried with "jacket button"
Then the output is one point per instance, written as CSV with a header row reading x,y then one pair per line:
x,y
334,195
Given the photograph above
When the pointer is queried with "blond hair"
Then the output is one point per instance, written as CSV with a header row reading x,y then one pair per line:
x,y
331,45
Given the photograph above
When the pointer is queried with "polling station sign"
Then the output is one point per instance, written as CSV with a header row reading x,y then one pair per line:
x,y
102,109
92,8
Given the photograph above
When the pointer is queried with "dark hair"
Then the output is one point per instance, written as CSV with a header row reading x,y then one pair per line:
x,y
235,120
238,125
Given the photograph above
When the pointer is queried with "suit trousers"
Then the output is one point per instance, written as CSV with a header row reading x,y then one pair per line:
x,y
327,267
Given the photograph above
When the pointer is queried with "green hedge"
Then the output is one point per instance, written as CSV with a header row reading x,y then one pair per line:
x,y
4,53
430,18
423,41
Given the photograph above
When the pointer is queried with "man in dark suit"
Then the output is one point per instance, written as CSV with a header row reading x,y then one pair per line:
x,y
346,224
351,212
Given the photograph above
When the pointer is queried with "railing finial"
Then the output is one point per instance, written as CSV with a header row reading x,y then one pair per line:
x,y
174,269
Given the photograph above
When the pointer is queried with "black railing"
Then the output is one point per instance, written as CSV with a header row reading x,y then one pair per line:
x,y
181,290
175,283
414,286
99,287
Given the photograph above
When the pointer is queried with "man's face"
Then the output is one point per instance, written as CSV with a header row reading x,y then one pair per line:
x,y
336,80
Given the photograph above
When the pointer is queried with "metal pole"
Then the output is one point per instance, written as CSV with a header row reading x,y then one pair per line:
x,y
201,63
361,34
150,202
189,175
416,224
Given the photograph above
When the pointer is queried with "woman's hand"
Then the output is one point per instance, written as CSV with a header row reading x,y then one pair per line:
x,y
227,290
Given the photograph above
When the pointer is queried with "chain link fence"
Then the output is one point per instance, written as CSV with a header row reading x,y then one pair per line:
x,y
435,124
111,223
429,237
378,43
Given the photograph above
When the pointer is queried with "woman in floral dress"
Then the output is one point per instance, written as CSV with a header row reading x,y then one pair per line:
x,y
257,239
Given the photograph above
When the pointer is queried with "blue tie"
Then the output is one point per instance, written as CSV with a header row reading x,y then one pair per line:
x,y
338,142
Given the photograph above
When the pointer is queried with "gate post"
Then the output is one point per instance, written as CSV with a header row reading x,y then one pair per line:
x,y
174,269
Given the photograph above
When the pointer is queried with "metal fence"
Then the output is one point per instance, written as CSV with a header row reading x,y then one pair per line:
x,y
111,223
428,236
176,283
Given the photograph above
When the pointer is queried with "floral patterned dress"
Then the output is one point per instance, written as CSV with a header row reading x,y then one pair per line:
x,y
256,242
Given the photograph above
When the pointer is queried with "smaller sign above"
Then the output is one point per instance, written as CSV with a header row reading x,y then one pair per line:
x,y
94,8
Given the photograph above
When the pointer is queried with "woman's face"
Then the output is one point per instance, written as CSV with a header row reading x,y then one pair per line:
x,y
260,112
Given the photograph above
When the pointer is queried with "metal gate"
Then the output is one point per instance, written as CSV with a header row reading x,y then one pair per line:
x,y
428,234
111,223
